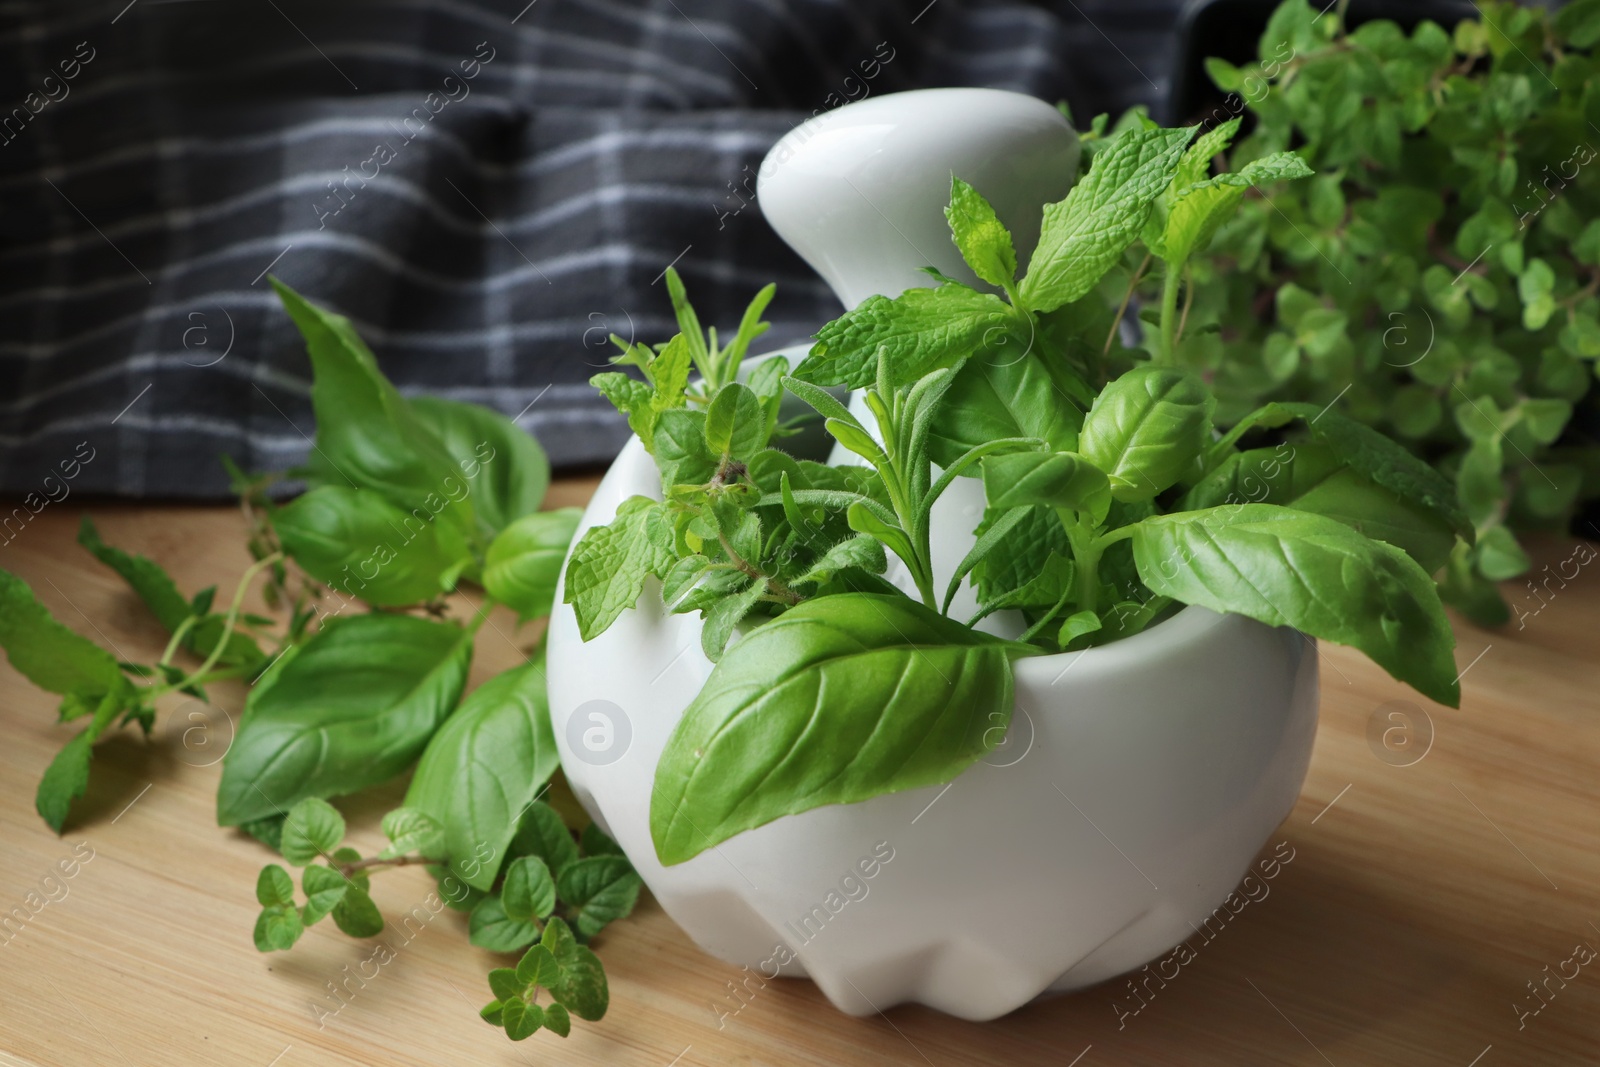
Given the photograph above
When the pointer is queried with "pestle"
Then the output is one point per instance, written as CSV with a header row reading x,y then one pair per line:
x,y
860,191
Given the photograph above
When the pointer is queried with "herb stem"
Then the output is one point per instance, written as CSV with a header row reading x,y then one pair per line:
x,y
233,610
1169,313
1122,310
373,862
775,587
1086,552
177,638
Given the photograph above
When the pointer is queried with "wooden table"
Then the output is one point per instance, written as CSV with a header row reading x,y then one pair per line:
x,y
1420,902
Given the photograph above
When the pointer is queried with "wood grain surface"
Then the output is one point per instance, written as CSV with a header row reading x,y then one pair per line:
x,y
1420,903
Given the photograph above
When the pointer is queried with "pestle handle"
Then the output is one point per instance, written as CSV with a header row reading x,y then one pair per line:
x,y
860,191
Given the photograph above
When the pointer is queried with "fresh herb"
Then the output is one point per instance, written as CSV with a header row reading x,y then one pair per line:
x,y
1439,277
406,500
1110,500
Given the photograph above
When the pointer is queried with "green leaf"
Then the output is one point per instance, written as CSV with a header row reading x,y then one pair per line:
x,y
1312,477
278,927
493,1013
490,927
314,828
979,234
521,1019
632,398
1289,568
556,1020
596,842
862,551
357,915
355,540
1085,234
529,893
160,594
506,471
724,616
998,398
274,886
65,780
368,436
1050,479
603,889
267,830
353,707
909,698
524,561
1147,429
1372,455
1202,208
582,987
484,767
325,889
543,834
505,984
45,652
412,830
736,425
920,331
609,565
538,967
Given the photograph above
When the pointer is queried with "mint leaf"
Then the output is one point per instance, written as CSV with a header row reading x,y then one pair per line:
x,y
529,893
314,828
609,565
48,654
67,777
921,330
1204,206
524,561
1084,235
979,234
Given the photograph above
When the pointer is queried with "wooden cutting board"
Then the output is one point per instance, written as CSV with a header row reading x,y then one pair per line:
x,y
1436,871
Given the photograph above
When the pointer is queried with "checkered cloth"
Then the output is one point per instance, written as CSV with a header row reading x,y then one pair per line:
x,y
487,189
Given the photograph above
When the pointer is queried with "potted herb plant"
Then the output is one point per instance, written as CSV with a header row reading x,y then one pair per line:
x,y
763,680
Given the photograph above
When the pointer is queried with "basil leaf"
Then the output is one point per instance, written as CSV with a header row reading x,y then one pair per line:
x,y
490,927
352,708
368,436
1050,479
602,888
529,893
543,834
1005,397
1312,477
582,987
49,655
506,472
1289,568
981,237
921,331
524,562
484,767
1147,429
909,698
609,565
357,541
1371,454
1083,235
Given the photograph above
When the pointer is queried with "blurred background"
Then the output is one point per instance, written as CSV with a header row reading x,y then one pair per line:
x,y
488,188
